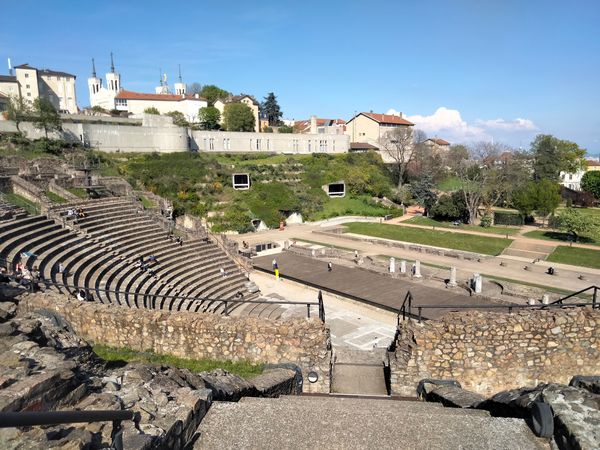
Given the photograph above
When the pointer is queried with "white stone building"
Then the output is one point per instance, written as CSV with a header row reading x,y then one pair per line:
x,y
30,84
247,100
104,96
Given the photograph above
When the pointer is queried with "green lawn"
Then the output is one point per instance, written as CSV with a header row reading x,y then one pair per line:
x,y
434,223
147,203
79,192
449,184
22,202
55,198
552,235
243,369
575,256
352,206
592,212
466,242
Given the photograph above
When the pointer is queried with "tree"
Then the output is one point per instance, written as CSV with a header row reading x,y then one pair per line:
x,y
574,222
456,155
591,183
19,110
450,207
213,93
98,111
152,110
547,197
45,116
209,118
423,193
552,156
398,146
524,199
238,117
285,129
178,118
270,109
473,179
194,88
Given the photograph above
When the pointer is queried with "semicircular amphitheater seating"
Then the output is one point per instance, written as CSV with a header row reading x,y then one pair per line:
x,y
101,253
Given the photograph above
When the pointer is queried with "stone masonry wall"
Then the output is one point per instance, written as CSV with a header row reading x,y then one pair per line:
x,y
491,352
305,342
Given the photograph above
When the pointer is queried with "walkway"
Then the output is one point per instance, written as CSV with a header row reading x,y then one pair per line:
x,y
371,288
512,268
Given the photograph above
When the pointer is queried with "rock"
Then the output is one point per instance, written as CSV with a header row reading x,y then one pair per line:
x,y
454,396
227,386
590,383
276,382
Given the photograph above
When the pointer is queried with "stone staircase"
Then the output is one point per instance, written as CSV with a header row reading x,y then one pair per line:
x,y
359,372
292,422
527,250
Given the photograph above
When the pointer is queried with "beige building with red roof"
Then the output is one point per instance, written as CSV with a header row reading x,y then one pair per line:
x,y
316,125
437,144
247,100
136,102
369,127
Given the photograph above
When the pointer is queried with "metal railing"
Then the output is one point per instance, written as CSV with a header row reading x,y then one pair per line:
x,y
410,311
45,418
228,303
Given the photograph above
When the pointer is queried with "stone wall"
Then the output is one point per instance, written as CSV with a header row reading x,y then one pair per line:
x,y
304,342
489,352
31,192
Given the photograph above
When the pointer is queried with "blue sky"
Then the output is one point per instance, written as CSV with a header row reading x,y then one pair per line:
x,y
463,70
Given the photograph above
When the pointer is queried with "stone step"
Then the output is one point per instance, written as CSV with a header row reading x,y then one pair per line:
x,y
292,424
386,404
531,247
359,379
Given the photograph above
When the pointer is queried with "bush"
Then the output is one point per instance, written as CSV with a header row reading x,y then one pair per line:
x,y
486,221
450,207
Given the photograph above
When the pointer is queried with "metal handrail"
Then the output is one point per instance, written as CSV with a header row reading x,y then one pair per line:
x,y
43,418
225,302
575,294
406,310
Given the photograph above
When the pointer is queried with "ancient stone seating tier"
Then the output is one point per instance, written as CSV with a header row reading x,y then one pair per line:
x,y
101,251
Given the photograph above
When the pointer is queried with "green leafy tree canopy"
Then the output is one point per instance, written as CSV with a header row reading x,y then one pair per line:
x,y
591,183
45,116
19,110
238,117
152,110
213,93
178,118
573,221
209,118
271,110
552,156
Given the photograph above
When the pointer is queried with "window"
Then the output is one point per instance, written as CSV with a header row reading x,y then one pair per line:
x,y
295,146
26,75
267,144
323,146
211,143
258,144
27,86
29,94
226,144
309,146
121,102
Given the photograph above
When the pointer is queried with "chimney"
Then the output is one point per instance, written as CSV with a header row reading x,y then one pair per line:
x,y
313,124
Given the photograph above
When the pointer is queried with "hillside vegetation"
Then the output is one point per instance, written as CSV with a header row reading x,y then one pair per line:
x,y
200,184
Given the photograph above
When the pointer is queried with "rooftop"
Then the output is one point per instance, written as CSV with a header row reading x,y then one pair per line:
x,y
130,95
386,118
47,72
8,79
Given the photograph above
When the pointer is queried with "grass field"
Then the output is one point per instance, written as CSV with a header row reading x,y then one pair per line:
x,y
351,206
243,369
17,200
575,256
79,192
549,235
449,184
466,242
434,223
55,198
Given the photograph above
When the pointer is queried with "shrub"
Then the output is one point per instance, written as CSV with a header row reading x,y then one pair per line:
x,y
486,221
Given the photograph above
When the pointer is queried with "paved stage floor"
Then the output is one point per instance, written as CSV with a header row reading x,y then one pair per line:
x,y
363,285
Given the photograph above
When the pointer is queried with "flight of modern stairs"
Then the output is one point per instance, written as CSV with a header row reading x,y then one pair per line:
x,y
326,422
528,251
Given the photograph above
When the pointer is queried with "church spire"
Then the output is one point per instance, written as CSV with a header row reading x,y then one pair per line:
x,y
160,77
112,63
180,80
93,68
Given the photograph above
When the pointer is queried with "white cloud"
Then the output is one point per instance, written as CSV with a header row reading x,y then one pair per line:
x,y
508,125
448,124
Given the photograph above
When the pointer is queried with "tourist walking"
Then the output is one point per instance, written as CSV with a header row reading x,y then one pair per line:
x,y
274,263
329,266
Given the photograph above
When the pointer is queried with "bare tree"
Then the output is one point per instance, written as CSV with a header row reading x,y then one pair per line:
x,y
399,147
19,110
194,88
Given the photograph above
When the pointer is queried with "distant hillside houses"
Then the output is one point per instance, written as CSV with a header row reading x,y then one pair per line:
x,y
316,125
31,83
573,180
247,100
